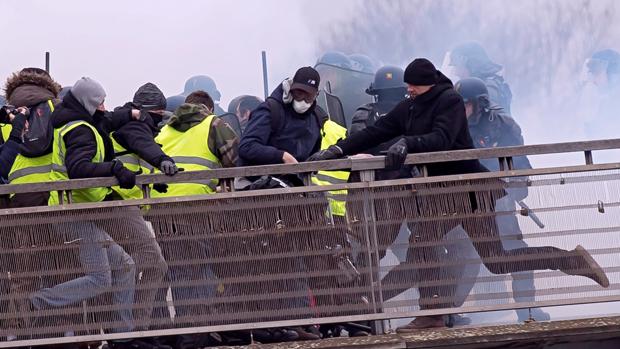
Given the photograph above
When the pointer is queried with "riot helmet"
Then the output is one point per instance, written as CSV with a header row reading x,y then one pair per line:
x,y
173,102
362,63
474,91
204,83
470,59
335,58
387,77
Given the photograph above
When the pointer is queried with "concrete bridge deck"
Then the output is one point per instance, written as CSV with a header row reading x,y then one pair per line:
x,y
595,333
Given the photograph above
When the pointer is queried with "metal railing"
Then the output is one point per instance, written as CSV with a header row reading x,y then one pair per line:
x,y
241,260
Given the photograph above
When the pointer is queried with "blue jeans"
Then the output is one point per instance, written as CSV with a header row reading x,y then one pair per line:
x,y
105,265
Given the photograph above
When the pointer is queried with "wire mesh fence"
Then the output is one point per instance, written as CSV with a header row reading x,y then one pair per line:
x,y
282,256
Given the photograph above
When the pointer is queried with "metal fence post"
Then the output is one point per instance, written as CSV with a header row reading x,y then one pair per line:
x,y
372,245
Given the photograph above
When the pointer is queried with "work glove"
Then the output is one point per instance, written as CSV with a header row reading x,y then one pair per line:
x,y
17,127
333,152
126,178
396,155
168,167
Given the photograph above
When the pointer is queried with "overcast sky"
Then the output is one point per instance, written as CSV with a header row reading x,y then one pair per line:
x,y
124,43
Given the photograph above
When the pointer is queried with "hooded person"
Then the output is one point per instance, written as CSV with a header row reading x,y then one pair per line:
x,y
196,140
470,59
35,89
134,145
287,127
134,142
433,119
83,149
79,152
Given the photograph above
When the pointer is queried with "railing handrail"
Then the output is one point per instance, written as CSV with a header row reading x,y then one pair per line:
x,y
373,163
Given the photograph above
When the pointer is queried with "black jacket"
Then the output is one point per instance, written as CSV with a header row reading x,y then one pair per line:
x,y
81,143
138,137
496,128
434,121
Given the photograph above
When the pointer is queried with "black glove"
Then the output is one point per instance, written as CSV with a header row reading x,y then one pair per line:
x,y
168,167
333,152
160,187
17,127
396,155
126,178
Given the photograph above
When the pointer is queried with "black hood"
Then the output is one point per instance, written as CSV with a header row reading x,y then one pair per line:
x,y
443,84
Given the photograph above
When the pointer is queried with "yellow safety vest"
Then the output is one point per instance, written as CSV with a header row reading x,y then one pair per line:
x,y
59,171
190,151
133,163
32,170
331,133
6,131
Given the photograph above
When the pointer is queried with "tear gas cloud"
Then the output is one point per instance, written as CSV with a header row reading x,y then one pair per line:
x,y
542,45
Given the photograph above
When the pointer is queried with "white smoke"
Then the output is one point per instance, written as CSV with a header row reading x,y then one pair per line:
x,y
542,45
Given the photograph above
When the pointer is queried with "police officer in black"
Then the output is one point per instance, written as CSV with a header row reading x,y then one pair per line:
x,y
490,126
389,89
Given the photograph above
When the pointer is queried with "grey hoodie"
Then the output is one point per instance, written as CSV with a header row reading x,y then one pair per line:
x,y
89,93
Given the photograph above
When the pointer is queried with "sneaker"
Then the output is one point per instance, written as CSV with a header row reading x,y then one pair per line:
x,y
423,322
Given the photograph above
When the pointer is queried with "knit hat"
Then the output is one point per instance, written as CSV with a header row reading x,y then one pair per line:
x,y
89,93
149,97
421,72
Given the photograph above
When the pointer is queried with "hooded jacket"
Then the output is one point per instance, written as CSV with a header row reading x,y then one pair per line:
x,y
139,138
433,121
299,134
222,141
27,89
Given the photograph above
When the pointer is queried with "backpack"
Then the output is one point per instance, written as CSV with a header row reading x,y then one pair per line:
x,y
504,98
39,138
277,114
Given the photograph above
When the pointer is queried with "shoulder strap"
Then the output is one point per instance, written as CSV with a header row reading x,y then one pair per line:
x,y
321,115
276,113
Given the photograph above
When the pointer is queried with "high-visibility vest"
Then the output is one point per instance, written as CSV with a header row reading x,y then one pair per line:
x,y
59,170
190,151
134,163
5,131
31,170
331,133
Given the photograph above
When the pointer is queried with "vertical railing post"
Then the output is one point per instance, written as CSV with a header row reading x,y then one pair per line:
x,y
372,246
589,159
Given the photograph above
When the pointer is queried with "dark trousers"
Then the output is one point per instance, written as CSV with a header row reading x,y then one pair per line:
x,y
474,212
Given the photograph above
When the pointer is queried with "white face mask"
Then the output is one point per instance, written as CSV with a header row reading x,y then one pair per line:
x,y
301,106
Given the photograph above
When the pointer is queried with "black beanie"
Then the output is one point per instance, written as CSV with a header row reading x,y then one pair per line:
x,y
421,72
149,96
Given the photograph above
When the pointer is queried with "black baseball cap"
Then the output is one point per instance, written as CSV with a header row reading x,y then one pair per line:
x,y
306,79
